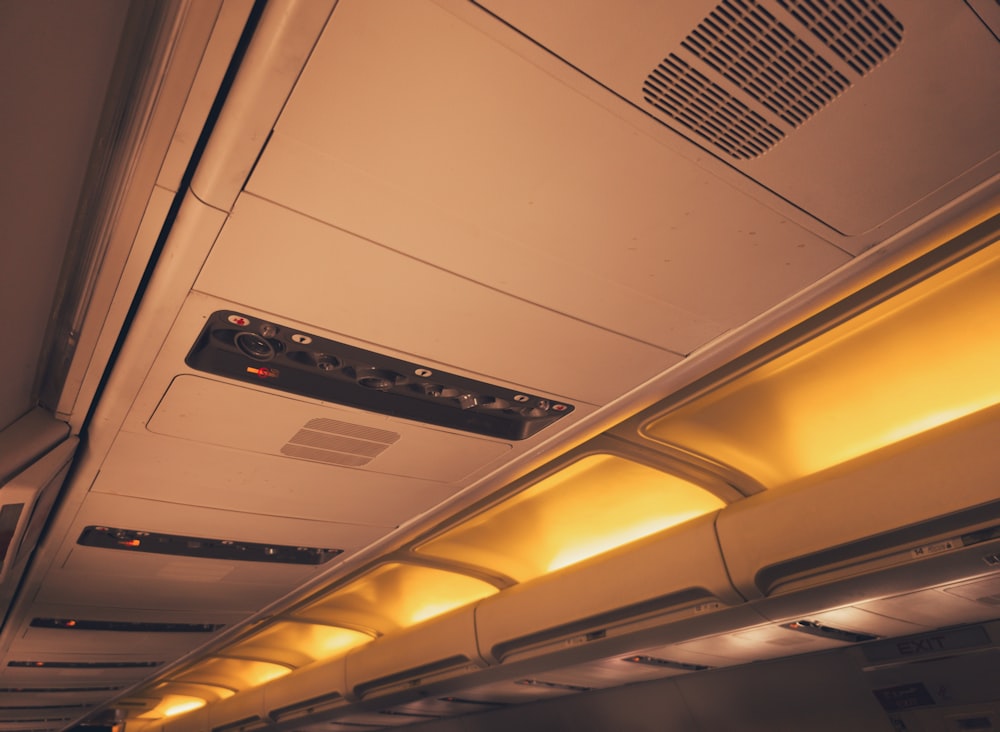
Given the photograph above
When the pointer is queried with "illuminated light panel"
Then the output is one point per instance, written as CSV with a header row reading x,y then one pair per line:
x,y
173,705
921,359
298,644
232,673
589,507
396,595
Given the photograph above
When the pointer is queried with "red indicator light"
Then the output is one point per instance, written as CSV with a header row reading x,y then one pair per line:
x,y
129,542
70,623
263,372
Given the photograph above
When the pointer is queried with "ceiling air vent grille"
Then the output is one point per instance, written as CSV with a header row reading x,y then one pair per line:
x,y
861,32
705,108
340,443
764,58
746,76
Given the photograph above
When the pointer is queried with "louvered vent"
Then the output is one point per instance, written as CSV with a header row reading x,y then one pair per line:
x,y
707,109
340,443
744,78
862,33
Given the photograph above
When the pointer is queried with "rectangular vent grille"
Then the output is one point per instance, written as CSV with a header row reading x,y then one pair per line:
x,y
340,443
861,32
760,55
705,108
744,78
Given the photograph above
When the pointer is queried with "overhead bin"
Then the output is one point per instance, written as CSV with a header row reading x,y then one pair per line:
x,y
400,664
919,513
32,470
672,582
308,692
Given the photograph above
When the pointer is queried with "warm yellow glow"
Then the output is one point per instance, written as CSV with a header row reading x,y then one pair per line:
x,y
172,705
397,595
232,673
917,361
297,644
183,706
595,504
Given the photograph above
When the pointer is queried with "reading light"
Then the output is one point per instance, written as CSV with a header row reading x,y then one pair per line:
x,y
590,506
916,361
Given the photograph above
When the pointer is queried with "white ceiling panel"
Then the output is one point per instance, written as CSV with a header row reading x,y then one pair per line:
x,y
848,153
217,413
332,280
191,473
500,173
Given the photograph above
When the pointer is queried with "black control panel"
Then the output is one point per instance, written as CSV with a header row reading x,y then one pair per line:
x,y
264,353
151,542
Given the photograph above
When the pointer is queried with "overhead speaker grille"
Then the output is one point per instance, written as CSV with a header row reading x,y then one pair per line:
x,y
707,109
745,77
340,443
861,32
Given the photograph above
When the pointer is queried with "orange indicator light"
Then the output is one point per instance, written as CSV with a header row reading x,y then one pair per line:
x,y
263,372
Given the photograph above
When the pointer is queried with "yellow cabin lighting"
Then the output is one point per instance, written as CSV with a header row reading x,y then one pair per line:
x,y
396,595
237,674
916,361
297,644
173,705
589,507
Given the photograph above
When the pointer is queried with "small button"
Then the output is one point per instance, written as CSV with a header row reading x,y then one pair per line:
x,y
301,339
239,320
423,373
522,398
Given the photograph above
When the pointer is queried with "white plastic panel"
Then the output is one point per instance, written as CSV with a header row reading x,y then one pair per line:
x,y
957,603
868,154
209,411
496,171
758,644
196,474
330,279
320,686
246,705
943,471
442,647
89,576
607,672
675,575
165,644
52,676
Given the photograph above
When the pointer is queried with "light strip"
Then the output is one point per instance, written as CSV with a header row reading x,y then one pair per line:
x,y
917,361
595,504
